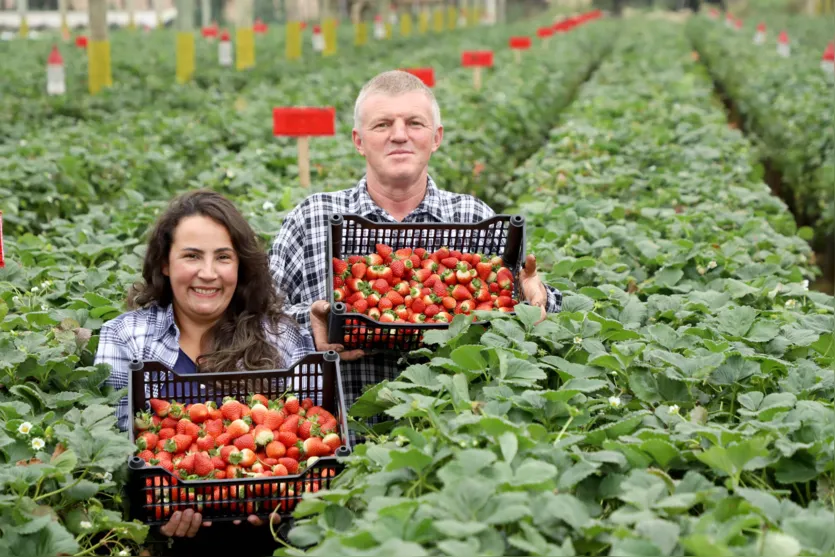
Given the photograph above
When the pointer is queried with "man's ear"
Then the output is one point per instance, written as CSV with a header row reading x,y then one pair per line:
x,y
357,139
436,140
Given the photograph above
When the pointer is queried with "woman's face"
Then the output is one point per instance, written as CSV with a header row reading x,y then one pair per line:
x,y
203,269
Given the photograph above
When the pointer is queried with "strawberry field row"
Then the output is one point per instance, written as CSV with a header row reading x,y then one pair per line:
x,y
787,103
129,155
681,403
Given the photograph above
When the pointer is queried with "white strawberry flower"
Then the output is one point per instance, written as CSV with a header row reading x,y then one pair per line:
x,y
230,173
805,285
16,299
38,443
86,524
578,340
673,409
791,303
777,289
701,270
268,206
34,289
124,552
44,307
24,428
711,265
614,401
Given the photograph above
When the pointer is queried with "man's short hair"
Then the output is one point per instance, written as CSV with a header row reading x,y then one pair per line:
x,y
392,83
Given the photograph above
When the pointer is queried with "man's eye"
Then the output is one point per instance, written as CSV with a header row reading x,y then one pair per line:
x,y
381,125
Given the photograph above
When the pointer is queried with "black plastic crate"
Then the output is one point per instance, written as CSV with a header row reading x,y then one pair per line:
x,y
155,494
349,234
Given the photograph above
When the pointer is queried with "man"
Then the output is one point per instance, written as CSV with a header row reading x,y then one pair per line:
x,y
397,127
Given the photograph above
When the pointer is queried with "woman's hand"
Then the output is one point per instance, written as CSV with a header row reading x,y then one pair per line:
x,y
533,290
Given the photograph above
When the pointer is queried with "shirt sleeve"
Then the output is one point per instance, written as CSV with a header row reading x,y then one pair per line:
x,y
554,303
114,351
287,267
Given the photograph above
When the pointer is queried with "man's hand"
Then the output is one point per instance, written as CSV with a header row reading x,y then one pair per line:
x,y
188,523
319,311
533,290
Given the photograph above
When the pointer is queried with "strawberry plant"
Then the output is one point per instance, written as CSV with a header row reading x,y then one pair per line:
x,y
681,403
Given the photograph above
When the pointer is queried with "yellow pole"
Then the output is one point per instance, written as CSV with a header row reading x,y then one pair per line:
x,y
98,48
293,48
244,35
185,40
22,9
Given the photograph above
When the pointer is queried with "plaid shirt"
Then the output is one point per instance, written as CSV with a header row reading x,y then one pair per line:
x,y
150,334
299,252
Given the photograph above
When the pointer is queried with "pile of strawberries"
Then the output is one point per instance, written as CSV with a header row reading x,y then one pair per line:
x,y
265,438
416,286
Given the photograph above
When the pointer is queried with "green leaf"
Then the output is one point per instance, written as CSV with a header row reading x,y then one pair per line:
x,y
470,357
825,345
457,529
305,535
737,321
780,545
95,300
422,376
528,315
533,472
763,501
509,445
663,533
763,331
732,460
66,461
569,509
411,458
83,490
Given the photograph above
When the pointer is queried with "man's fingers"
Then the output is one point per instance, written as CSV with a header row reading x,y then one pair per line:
x,y
351,355
530,265
275,518
254,520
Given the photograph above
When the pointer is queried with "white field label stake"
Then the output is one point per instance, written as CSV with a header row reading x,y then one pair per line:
x,y
56,82
783,48
379,28
224,50
318,39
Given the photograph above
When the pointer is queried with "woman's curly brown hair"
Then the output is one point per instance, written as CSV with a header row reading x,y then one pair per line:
x,y
239,340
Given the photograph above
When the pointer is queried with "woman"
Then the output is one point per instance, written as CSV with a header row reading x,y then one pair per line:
x,y
206,303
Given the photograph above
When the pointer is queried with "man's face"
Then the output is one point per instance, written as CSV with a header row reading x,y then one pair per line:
x,y
397,136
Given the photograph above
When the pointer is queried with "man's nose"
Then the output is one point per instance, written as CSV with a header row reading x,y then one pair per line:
x,y
399,131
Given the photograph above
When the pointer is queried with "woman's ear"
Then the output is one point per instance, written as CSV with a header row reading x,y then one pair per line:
x,y
165,269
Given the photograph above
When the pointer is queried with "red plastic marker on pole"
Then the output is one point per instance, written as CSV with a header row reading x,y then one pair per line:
x,y
56,83
259,27
224,49
210,32
544,33
518,44
304,123
828,59
426,75
738,24
759,36
81,41
477,59
318,39
783,47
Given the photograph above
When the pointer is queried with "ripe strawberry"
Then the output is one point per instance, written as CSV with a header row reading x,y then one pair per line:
x,y
417,318
388,316
505,278
382,286
308,429
147,440
372,299
203,465
465,307
383,250
360,306
223,439
187,427
443,317
314,446
230,454
463,276
339,266
484,306
167,433
373,260
504,302
493,288
177,411
291,424
394,297
354,259
237,429
273,419
404,253
358,270
205,443
333,442
245,442
421,275
439,289
160,407
288,438
385,304
449,262
449,302
276,449
280,470
218,462
402,288
416,261
402,312
290,464
374,313
291,405
294,452
307,403
186,464
146,455
213,427
340,295
178,444
418,306
270,462
257,413
398,269
232,410
460,292
248,458
356,296
387,275
432,310
263,436
198,413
